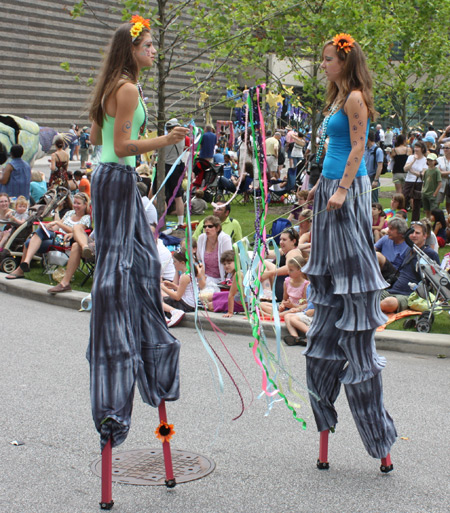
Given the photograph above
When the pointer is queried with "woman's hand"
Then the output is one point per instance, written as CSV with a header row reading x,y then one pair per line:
x,y
311,193
176,135
169,285
337,200
68,237
228,314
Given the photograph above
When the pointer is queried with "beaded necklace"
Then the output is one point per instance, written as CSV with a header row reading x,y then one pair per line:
x,y
324,126
143,130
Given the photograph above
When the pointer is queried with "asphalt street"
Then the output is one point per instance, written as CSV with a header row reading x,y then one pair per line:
x,y
263,463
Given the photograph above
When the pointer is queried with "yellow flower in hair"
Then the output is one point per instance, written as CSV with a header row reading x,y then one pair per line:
x,y
343,42
136,29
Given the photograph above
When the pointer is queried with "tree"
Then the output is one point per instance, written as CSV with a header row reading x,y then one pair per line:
x,y
415,75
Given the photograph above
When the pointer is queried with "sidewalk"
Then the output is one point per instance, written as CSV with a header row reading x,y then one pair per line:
x,y
401,341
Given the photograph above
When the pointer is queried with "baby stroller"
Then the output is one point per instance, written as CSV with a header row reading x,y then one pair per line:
x,y
13,249
206,179
434,282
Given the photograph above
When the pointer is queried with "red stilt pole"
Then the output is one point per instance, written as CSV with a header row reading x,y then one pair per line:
x,y
386,464
170,479
322,462
107,502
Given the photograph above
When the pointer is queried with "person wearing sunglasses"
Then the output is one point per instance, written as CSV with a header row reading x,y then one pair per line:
x,y
211,244
395,298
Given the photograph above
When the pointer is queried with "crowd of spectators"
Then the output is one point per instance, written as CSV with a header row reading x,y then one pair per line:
x,y
420,165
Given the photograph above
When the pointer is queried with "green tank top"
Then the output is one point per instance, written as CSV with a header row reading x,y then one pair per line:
x,y
108,154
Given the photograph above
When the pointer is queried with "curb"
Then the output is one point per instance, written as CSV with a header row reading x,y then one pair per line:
x,y
430,344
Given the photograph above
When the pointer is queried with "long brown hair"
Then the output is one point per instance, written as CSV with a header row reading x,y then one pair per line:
x,y
118,58
355,76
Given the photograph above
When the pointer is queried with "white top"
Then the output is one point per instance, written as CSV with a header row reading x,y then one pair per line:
x,y
68,221
188,296
418,166
443,165
165,258
150,211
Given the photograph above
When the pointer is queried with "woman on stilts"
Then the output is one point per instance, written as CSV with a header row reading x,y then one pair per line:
x,y
345,279
129,340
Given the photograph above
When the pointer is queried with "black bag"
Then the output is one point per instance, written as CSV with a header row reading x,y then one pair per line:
x,y
417,193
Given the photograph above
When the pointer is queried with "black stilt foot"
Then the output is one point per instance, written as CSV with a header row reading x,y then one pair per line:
x,y
386,468
171,483
106,505
323,465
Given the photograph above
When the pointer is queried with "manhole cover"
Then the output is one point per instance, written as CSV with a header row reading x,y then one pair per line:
x,y
146,467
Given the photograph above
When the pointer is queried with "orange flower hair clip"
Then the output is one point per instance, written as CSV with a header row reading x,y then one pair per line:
x,y
343,42
138,25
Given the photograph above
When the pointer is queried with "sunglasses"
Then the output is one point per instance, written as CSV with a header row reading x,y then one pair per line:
x,y
208,226
417,222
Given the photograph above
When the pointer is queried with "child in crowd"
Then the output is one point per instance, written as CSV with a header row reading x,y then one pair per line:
x,y
198,204
397,203
179,298
294,288
378,220
229,300
438,221
431,237
300,204
402,213
432,181
299,320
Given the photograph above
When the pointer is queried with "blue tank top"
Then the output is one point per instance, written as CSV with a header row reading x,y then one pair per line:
x,y
339,147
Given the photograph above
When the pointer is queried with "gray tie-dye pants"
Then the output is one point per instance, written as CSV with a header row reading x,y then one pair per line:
x,y
129,340
345,288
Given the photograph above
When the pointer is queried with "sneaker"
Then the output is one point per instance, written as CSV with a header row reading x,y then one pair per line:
x,y
167,320
87,253
177,317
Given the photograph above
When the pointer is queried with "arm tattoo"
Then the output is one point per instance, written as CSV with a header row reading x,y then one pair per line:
x,y
356,115
126,126
354,128
132,148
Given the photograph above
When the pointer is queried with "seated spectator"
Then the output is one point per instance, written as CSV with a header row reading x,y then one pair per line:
x,y
299,320
289,239
294,288
83,247
229,225
300,204
38,186
438,221
20,214
16,176
378,220
395,298
397,203
210,246
218,157
198,204
229,300
84,185
43,239
304,230
402,214
64,207
392,248
431,241
165,258
5,209
150,210
230,179
179,298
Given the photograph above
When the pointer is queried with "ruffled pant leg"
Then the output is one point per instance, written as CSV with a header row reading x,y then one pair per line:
x,y
337,356
127,342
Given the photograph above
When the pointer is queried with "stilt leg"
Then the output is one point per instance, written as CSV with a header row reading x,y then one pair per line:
x,y
170,479
386,464
322,462
107,502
